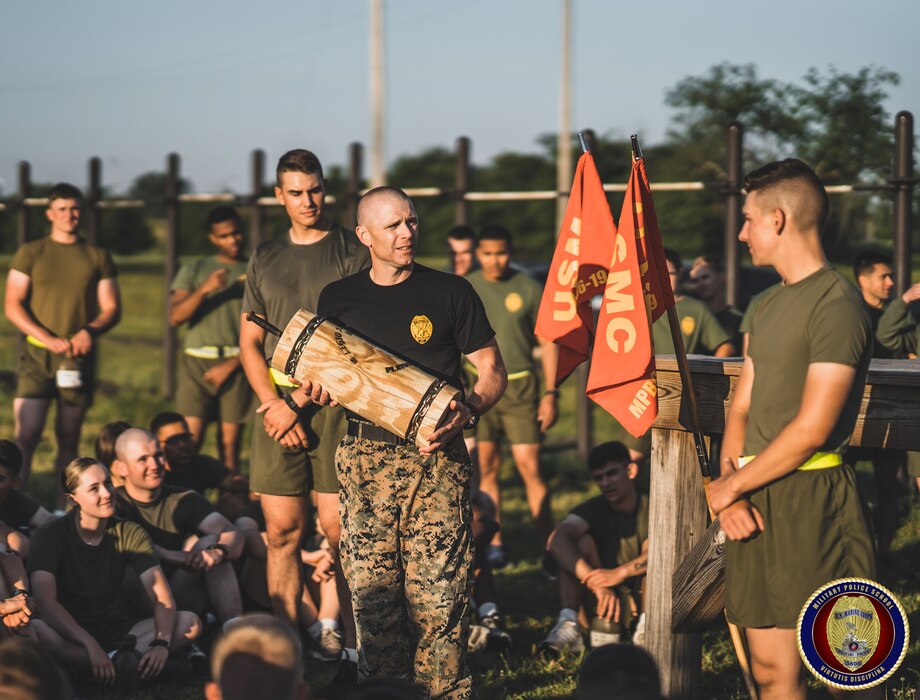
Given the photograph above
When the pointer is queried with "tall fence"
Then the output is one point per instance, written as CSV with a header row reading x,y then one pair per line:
x,y
900,184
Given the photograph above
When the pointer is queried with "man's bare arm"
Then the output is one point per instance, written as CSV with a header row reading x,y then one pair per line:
x,y
547,413
490,385
16,308
109,301
726,349
827,386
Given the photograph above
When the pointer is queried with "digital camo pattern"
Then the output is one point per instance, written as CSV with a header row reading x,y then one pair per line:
x,y
407,552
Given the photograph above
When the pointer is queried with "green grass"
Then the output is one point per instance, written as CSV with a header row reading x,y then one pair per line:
x,y
131,370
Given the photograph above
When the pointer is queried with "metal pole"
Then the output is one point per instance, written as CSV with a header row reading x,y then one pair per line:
x,y
257,163
93,198
355,178
169,272
461,206
733,212
564,138
25,189
378,169
903,181
584,407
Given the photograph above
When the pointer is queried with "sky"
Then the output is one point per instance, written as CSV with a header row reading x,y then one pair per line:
x,y
130,82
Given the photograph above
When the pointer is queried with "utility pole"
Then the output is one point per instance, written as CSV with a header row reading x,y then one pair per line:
x,y
564,139
378,168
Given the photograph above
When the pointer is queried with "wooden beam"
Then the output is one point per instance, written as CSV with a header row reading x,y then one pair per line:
x,y
677,491
889,415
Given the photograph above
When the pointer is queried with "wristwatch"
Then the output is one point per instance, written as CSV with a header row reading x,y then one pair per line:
x,y
20,591
222,547
159,643
474,416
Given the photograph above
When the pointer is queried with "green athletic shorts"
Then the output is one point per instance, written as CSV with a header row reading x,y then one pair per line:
x,y
230,403
815,531
515,414
277,471
36,377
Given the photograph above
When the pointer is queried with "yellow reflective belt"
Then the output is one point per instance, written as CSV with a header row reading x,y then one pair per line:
x,y
212,352
32,340
819,460
278,378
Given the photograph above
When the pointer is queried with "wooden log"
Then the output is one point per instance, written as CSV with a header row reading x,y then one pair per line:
x,y
678,520
698,583
375,384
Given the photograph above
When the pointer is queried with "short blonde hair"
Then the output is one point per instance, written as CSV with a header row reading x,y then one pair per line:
x,y
265,640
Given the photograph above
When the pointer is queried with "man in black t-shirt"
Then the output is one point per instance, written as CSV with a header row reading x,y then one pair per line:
x,y
195,544
406,538
186,468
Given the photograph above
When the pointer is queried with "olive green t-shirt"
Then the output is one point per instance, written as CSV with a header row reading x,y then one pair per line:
x,y
702,332
819,319
618,536
63,278
283,277
170,518
217,320
90,579
511,305
751,309
897,330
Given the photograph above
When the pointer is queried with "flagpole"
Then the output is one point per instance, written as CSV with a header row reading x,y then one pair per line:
x,y
689,393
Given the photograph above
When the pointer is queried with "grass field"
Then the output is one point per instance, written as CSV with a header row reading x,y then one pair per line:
x,y
131,370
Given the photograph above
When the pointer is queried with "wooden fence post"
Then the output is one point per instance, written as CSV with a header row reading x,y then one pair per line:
x,y
353,187
93,197
257,177
903,180
462,186
25,190
170,259
733,211
677,519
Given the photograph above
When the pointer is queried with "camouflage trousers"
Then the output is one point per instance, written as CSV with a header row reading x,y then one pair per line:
x,y
407,552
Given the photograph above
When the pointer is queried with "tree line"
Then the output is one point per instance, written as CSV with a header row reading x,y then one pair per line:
x,y
835,121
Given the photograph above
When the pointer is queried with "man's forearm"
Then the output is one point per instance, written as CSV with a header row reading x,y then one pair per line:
x,y
105,321
21,317
256,369
181,310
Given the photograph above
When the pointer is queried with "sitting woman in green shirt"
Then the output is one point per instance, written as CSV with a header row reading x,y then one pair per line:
x,y
77,568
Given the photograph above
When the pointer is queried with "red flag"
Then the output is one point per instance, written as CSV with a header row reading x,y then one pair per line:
x,y
578,271
638,291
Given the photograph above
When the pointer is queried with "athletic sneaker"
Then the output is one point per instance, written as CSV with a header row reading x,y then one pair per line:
x,y
327,646
564,638
496,556
498,639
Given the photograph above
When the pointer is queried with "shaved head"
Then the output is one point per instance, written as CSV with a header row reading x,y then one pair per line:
x,y
793,187
367,205
130,437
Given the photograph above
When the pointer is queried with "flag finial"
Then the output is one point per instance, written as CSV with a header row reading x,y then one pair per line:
x,y
584,142
636,148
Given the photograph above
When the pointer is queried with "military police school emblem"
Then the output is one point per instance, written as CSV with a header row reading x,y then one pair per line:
x,y
853,633
420,329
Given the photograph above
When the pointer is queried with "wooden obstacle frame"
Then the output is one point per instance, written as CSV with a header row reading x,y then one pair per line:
x,y
889,416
